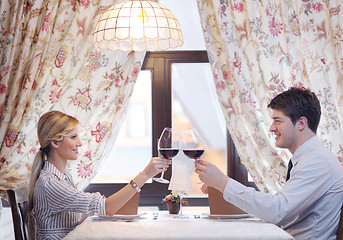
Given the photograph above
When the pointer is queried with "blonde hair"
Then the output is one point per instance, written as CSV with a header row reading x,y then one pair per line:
x,y
52,126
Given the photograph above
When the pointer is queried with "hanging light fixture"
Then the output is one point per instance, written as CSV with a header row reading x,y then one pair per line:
x,y
137,25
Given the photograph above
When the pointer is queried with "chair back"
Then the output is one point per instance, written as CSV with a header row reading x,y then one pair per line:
x,y
340,227
131,207
19,216
219,206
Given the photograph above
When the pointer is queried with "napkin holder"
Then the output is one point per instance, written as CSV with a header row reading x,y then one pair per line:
x,y
219,206
131,207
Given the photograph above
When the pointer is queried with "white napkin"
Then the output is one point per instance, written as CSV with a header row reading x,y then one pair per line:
x,y
181,174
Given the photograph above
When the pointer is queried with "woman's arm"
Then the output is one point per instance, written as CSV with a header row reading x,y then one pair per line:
x,y
114,202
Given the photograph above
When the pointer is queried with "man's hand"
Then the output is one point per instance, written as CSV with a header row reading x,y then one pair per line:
x,y
210,175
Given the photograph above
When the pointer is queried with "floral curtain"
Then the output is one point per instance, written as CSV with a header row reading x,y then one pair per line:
x,y
258,49
48,62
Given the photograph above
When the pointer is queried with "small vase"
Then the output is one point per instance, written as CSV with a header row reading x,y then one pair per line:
x,y
173,208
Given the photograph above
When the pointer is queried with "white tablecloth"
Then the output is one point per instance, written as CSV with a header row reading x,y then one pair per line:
x,y
168,227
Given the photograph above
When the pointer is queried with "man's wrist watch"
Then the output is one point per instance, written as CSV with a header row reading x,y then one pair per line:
x,y
135,186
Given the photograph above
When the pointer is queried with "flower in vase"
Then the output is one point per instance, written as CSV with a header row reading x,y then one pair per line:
x,y
174,197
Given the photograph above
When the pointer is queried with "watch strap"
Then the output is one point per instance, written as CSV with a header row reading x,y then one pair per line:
x,y
135,186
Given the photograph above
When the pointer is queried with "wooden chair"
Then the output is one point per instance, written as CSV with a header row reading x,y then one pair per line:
x,y
131,207
219,206
340,227
19,216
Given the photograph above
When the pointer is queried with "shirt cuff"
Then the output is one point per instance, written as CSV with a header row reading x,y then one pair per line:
x,y
97,205
102,207
231,190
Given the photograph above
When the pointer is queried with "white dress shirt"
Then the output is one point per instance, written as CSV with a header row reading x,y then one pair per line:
x,y
58,204
308,205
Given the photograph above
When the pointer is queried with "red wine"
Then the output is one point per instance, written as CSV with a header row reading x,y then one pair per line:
x,y
169,152
193,153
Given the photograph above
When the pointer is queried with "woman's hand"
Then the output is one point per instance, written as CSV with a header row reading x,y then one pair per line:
x,y
156,165
210,175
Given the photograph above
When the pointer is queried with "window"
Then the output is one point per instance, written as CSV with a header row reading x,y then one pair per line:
x,y
158,100
195,105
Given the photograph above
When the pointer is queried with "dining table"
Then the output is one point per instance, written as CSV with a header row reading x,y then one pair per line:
x,y
160,225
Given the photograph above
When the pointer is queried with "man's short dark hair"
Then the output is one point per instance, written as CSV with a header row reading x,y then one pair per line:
x,y
296,103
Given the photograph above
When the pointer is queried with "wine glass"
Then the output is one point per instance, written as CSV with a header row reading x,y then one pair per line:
x,y
192,145
181,194
168,147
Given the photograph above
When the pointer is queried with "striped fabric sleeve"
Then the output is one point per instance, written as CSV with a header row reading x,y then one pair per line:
x,y
64,197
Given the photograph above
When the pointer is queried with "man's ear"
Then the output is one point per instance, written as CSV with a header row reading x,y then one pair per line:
x,y
302,123
55,144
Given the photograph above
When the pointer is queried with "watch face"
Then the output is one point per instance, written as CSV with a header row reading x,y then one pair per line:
x,y
135,186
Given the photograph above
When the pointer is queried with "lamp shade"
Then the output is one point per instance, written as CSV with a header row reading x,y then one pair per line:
x,y
139,26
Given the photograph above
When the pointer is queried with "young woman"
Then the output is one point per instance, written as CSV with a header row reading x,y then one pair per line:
x,y
55,205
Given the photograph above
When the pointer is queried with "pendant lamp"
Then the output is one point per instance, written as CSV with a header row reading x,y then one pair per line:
x,y
137,25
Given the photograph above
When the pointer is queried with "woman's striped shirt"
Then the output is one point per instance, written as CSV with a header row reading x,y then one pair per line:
x,y
58,205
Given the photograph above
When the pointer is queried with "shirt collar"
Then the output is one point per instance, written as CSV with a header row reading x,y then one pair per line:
x,y
303,148
48,166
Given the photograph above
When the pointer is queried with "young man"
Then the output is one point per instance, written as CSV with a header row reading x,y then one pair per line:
x,y
309,204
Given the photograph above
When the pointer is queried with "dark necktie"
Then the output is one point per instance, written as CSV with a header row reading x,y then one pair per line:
x,y
290,165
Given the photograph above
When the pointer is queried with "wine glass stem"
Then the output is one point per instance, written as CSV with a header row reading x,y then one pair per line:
x,y
180,206
162,174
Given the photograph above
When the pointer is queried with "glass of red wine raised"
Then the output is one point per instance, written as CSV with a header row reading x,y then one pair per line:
x,y
168,147
192,146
